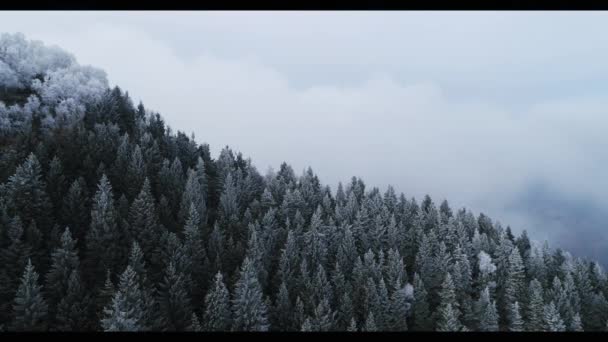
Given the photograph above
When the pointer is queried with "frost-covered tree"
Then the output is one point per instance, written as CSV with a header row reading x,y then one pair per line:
x,y
535,311
515,320
421,311
126,309
248,306
74,310
64,262
448,314
551,318
195,193
143,224
29,308
103,249
218,316
489,320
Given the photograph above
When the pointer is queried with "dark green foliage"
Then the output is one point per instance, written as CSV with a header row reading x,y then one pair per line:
x,y
197,243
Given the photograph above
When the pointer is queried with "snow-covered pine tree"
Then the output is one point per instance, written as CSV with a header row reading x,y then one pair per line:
x,y
552,320
217,315
516,322
248,306
29,308
126,309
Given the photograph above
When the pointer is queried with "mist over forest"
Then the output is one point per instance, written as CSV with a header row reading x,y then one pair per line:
x,y
112,221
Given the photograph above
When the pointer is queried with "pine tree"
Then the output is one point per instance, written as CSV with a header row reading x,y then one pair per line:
x,y
27,192
534,316
64,262
136,172
345,313
105,295
422,315
195,252
248,307
195,324
448,313
14,258
552,320
126,309
175,309
514,286
323,317
370,323
75,211
576,324
218,316
448,319
307,325
29,308
103,252
489,320
143,224
282,311
353,326
515,320
74,310
138,264
195,193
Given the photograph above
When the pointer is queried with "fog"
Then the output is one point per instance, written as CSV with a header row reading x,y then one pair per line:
x,y
504,113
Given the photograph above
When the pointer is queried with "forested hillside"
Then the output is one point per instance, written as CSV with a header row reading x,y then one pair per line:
x,y
111,221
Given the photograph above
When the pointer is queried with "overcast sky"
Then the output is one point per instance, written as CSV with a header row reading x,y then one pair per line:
x,y
501,112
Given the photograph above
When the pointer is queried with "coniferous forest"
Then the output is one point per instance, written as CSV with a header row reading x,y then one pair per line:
x,y
111,221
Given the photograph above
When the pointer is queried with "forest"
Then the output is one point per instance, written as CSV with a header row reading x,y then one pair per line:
x,y
112,221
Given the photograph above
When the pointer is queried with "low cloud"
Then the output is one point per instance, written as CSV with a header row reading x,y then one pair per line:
x,y
416,136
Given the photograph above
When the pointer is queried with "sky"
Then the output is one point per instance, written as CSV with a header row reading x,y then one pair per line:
x,y
501,112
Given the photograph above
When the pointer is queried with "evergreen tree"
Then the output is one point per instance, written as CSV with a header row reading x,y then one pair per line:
x,y
448,319
175,309
64,263
27,191
552,320
195,325
126,309
218,316
248,307
29,308
399,306
282,311
195,193
74,310
143,224
514,287
489,320
515,320
103,251
353,326
422,315
576,324
370,323
14,259
75,211
448,313
195,251
534,316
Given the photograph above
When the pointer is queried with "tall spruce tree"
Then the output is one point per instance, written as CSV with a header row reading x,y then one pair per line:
x,y
29,308
217,316
248,306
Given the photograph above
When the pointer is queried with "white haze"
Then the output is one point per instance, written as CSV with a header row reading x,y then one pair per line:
x,y
472,107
